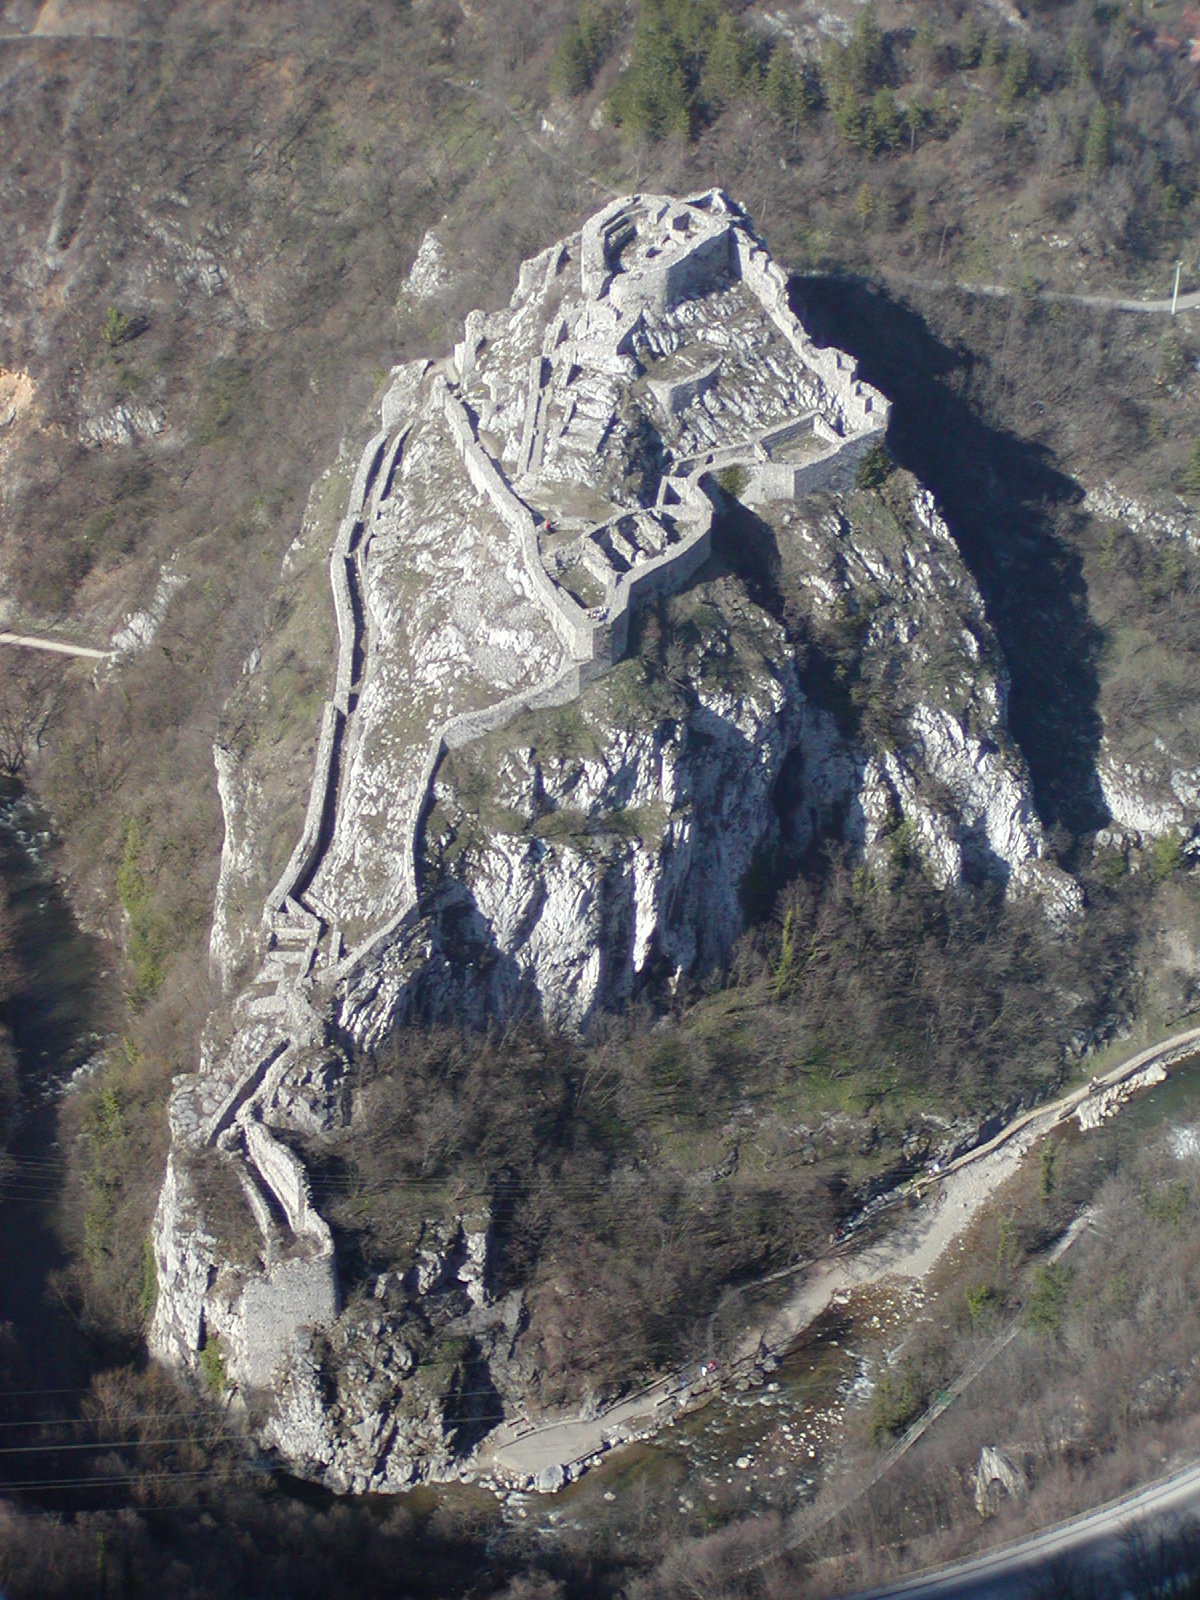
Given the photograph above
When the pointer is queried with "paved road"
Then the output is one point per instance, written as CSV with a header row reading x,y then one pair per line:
x,y
29,642
1096,1540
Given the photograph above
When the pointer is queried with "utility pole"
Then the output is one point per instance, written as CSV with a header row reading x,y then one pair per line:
x,y
1175,296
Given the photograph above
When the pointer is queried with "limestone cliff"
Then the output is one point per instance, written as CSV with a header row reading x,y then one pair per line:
x,y
618,632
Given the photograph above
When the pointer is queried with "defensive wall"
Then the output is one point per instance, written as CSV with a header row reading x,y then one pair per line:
x,y
689,259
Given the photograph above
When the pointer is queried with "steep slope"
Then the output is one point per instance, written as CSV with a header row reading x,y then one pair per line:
x,y
571,729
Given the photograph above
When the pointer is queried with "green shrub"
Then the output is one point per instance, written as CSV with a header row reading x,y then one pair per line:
x,y
212,1366
781,978
146,933
224,395
148,1294
873,125
791,92
1097,143
1047,1298
106,1141
1163,574
1189,478
732,480
115,329
864,61
864,109
898,1401
970,45
654,95
1165,856
1014,80
875,468
1167,1205
1077,60
731,70
582,49
979,1301
1048,1171
1172,360
689,59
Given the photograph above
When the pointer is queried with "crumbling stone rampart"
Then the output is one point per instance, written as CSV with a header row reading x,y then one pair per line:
x,y
566,616
542,407
303,858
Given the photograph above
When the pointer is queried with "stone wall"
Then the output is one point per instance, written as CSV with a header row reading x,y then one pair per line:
x,y
304,857
654,580
860,406
568,619
835,471
287,1180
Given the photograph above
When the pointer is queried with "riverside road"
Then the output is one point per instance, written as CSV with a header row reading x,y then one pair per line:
x,y
1096,1544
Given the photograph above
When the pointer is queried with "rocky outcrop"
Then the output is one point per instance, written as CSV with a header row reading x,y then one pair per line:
x,y
559,748
997,1479
617,837
1154,522
1147,798
1147,771
139,628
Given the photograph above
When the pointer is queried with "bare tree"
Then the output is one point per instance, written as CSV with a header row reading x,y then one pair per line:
x,y
30,703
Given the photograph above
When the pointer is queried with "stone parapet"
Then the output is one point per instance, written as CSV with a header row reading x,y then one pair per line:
x,y
861,407
568,619
303,859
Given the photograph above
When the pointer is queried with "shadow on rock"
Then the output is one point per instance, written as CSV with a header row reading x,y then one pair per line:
x,y
1007,505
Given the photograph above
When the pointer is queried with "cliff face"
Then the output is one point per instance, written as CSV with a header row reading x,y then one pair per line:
x,y
620,635
585,851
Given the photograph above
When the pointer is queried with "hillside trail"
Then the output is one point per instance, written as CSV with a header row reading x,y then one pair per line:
x,y
943,1204
29,641
1171,306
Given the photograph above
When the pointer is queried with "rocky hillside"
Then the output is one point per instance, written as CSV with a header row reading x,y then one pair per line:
x,y
633,612
754,896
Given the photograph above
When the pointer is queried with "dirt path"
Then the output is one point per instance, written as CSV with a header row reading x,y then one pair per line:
x,y
947,1202
1002,291
28,641
952,1199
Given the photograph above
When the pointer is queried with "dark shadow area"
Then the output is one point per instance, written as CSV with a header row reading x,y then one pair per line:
x,y
1007,504
56,1013
746,546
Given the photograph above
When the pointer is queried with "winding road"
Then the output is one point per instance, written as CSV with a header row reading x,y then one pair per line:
x,y
1100,302
1097,1542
